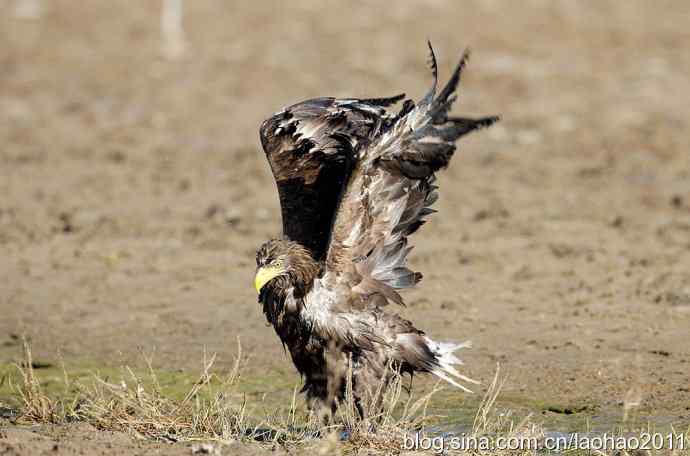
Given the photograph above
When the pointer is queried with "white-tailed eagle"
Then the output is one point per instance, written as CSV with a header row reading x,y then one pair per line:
x,y
355,181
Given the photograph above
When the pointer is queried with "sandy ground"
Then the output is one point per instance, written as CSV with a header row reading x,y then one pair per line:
x,y
133,190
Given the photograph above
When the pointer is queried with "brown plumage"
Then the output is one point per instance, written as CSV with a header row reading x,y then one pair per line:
x,y
355,181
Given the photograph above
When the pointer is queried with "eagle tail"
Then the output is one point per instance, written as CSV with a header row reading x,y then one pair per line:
x,y
445,362
421,353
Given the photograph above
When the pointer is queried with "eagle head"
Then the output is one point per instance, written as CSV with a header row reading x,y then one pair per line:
x,y
282,264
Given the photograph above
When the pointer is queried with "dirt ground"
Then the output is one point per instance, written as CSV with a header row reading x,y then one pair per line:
x,y
134,192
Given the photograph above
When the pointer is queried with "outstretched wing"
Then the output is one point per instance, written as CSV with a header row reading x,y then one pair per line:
x,y
390,192
311,148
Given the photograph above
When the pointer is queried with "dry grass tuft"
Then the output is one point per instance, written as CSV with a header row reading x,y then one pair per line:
x,y
36,405
490,424
138,405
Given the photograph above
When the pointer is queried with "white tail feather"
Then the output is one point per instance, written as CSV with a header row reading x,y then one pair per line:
x,y
446,360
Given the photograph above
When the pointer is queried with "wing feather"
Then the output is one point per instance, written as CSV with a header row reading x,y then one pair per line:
x,y
390,192
311,148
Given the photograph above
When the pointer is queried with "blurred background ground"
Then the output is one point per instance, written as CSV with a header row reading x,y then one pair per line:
x,y
133,190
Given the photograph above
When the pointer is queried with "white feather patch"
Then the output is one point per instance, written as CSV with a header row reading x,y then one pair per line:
x,y
446,359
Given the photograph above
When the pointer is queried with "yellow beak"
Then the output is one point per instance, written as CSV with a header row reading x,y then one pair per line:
x,y
264,275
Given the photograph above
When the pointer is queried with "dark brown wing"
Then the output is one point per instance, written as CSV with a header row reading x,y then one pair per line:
x,y
390,192
312,147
